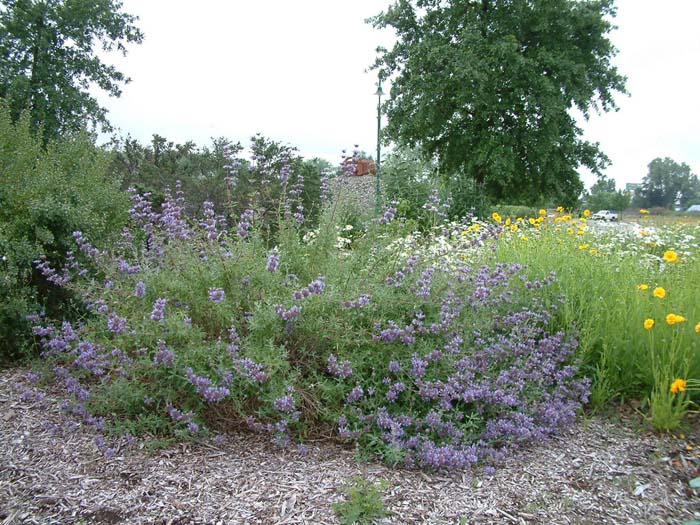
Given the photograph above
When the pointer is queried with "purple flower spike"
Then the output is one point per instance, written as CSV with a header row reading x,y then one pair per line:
x,y
158,313
273,261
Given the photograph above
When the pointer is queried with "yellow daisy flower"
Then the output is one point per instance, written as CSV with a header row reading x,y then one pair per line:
x,y
670,256
648,323
673,319
678,386
659,292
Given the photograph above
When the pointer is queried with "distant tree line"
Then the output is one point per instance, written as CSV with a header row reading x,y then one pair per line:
x,y
667,184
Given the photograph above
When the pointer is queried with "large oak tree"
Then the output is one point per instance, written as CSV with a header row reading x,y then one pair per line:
x,y
489,89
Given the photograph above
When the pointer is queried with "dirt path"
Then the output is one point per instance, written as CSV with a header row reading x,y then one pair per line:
x,y
599,472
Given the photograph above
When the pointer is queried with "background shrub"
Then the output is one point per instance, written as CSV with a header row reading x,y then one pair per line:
x,y
45,195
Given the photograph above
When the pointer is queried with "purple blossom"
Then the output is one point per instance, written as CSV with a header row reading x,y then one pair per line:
x,y
116,324
342,369
158,312
355,395
204,387
389,213
287,315
140,289
246,367
210,222
127,268
394,390
273,261
85,247
172,215
163,356
216,295
178,416
285,403
360,302
245,223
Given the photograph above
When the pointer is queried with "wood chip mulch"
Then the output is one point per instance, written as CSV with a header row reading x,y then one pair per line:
x,y
598,472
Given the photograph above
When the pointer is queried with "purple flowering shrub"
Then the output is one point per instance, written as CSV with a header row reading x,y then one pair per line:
x,y
199,325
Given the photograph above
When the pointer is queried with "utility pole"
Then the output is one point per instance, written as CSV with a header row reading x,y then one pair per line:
x,y
378,195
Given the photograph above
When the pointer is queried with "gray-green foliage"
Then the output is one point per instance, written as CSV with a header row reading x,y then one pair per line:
x,y
363,503
488,87
48,60
45,195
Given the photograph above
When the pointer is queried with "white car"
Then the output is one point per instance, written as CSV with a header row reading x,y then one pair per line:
x,y
604,215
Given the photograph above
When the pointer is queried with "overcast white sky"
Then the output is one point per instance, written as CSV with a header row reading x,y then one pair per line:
x,y
296,71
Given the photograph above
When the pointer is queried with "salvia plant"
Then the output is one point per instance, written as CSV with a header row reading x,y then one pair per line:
x,y
438,360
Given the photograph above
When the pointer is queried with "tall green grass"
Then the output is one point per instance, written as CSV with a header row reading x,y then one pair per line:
x,y
607,296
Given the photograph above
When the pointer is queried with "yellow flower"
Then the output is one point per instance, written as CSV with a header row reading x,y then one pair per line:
x,y
514,227
560,209
507,223
673,319
644,211
523,238
570,231
678,386
659,292
697,328
581,232
594,251
543,213
496,217
583,247
670,256
532,221
642,287
464,232
643,233
586,213
648,323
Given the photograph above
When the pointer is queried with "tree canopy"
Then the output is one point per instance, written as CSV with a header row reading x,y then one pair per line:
x,y
488,87
603,195
48,60
668,184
